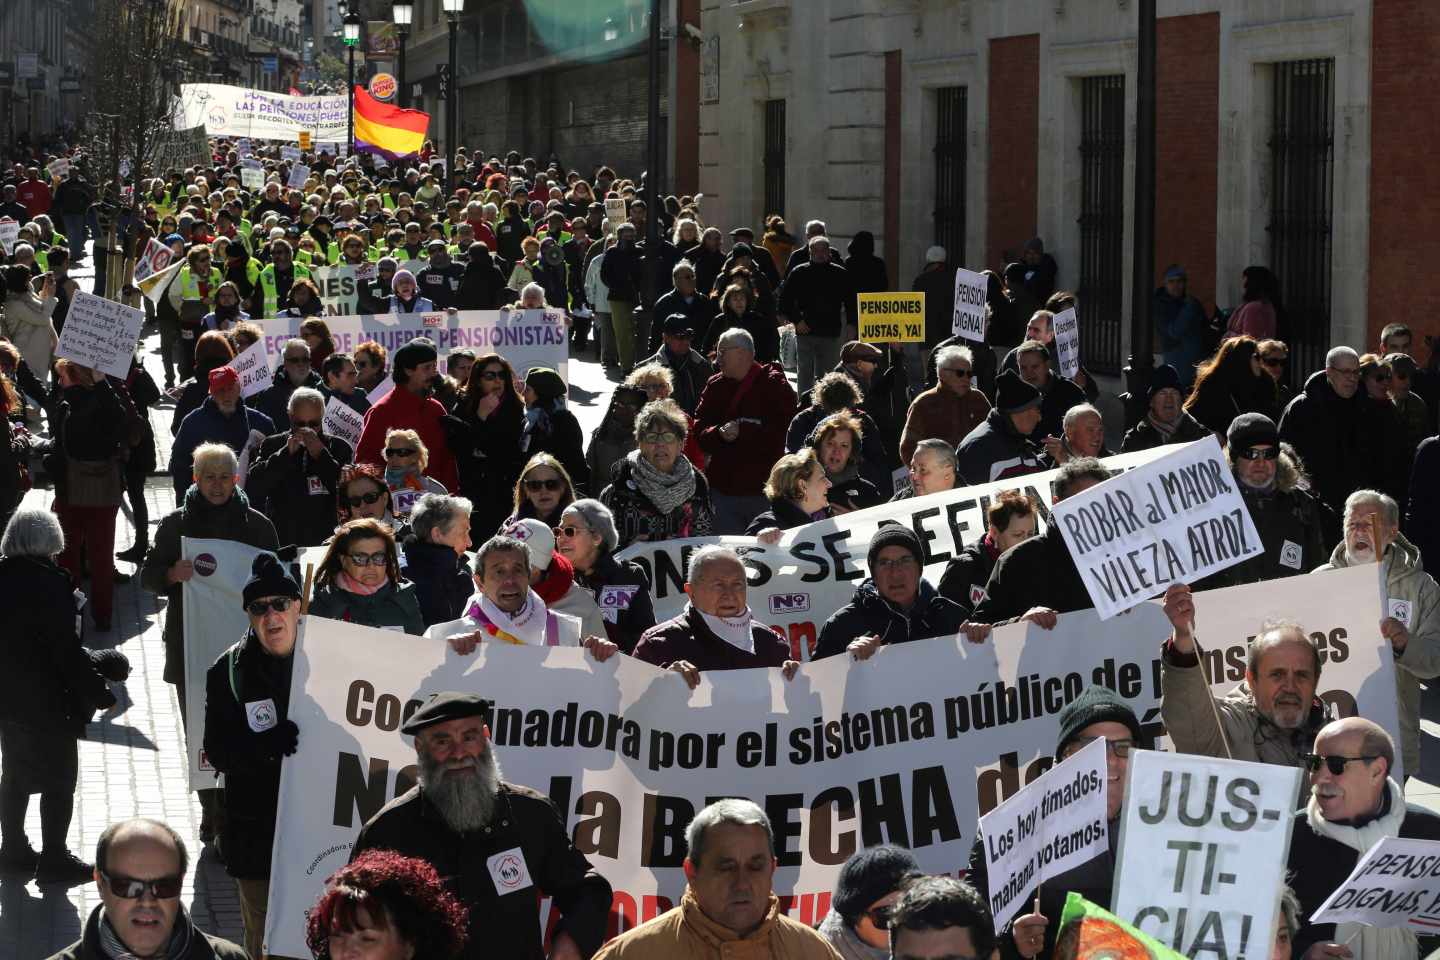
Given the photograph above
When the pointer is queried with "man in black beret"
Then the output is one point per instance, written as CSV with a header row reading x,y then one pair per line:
x,y
1098,713
496,844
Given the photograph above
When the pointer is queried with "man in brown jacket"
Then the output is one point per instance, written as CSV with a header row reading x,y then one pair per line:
x,y
729,909
949,410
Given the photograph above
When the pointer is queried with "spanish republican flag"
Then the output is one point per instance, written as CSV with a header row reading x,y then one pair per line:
x,y
386,130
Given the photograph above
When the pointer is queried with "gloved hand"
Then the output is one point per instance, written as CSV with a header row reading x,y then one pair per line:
x,y
280,740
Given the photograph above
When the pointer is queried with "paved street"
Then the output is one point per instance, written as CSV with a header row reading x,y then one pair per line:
x,y
132,760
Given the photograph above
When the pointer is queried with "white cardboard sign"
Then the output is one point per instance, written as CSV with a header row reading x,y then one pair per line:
x,y
1067,342
1055,824
100,333
298,175
969,316
615,210
253,365
252,178
1203,845
1177,519
9,231
343,422
1396,884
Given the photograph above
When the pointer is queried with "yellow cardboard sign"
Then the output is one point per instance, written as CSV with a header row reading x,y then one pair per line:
x,y
304,139
892,317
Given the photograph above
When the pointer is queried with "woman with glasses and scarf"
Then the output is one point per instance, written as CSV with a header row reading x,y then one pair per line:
x,y
359,580
483,431
656,492
406,458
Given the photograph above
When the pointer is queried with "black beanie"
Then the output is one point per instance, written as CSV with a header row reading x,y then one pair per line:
x,y
894,535
1013,394
1165,377
1095,704
870,874
407,358
1249,429
269,578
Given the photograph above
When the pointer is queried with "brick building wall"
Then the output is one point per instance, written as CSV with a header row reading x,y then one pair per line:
x,y
1013,90
1187,121
1404,178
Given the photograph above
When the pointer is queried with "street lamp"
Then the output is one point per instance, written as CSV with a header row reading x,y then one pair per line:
x,y
453,9
351,25
402,12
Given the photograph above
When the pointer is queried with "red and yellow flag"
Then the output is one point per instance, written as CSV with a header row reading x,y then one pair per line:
x,y
389,131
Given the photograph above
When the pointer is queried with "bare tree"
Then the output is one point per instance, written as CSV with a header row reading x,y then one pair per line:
x,y
133,104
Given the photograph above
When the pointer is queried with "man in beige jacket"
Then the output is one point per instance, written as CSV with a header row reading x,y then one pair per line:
x,y
729,909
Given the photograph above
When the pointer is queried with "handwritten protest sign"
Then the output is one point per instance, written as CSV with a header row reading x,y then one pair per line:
x,y
100,333
1176,520
886,317
1202,851
9,232
253,365
298,175
969,316
615,210
1067,342
343,422
1396,884
1053,825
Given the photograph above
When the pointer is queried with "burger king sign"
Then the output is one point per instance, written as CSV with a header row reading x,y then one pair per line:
x,y
383,86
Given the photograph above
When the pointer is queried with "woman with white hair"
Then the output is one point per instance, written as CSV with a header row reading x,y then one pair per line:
x,y
586,537
433,556
50,687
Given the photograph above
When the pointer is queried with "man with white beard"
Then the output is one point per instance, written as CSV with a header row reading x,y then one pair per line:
x,y
1412,604
499,846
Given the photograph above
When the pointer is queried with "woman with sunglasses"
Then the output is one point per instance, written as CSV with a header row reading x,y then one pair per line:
x,y
406,458
586,537
1275,360
362,495
385,906
358,580
484,433
870,882
542,492
656,492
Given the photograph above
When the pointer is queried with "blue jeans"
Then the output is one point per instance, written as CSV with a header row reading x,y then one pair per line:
x,y
75,234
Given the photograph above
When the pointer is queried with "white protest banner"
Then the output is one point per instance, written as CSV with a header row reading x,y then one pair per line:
x,y
1053,825
252,178
343,421
527,338
1176,520
227,111
814,569
100,333
9,232
214,618
1067,342
381,389
340,286
59,167
156,257
615,210
253,365
299,173
1395,884
909,747
968,320
1203,845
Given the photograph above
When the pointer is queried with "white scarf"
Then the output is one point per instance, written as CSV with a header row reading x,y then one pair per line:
x,y
735,631
1373,943
526,625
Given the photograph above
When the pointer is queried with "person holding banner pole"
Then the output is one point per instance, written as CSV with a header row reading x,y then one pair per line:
x,y
1354,803
1098,713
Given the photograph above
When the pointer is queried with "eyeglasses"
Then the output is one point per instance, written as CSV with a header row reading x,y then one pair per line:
x,y
492,375
129,888
368,559
400,451
535,486
571,531
1346,372
880,916
896,563
958,371
1336,764
1121,748
365,498
666,437
278,604
1274,361
1260,453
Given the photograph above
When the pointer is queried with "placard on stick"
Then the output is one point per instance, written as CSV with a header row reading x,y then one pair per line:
x,y
100,333
9,232
1174,520
1202,853
891,317
969,317
298,175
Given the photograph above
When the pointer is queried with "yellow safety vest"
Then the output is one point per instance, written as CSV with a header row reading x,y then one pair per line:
x,y
272,294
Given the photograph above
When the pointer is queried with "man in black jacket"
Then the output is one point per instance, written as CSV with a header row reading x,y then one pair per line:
x,y
685,300
893,605
439,280
295,372
499,846
296,473
689,370
817,297
248,732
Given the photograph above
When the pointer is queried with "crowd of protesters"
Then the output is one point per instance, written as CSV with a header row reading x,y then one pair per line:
x,y
473,506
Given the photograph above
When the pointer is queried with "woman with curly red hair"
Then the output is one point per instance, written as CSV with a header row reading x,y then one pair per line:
x,y
385,906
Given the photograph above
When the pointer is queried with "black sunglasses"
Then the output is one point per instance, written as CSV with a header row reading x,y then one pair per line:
x,y
880,916
571,531
1260,453
400,451
365,498
1336,764
492,375
257,608
535,486
1275,361
129,888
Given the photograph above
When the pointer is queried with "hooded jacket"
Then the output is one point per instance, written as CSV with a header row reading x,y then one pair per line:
x,y
207,424
870,614
1410,591
763,403
995,450
1340,441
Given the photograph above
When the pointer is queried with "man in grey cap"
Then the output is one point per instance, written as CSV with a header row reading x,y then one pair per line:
x,y
499,846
